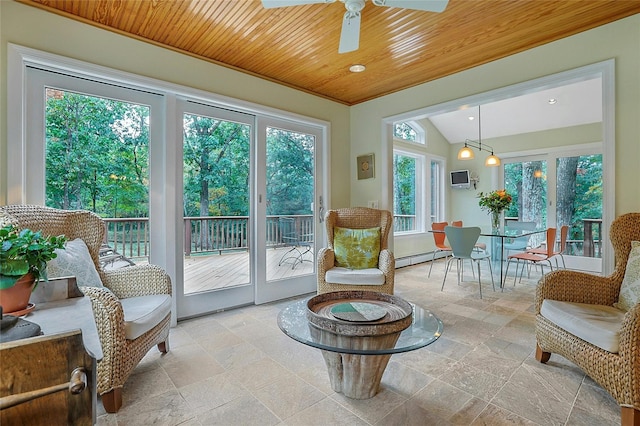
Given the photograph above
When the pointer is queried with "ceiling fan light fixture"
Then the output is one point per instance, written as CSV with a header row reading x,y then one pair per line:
x,y
465,153
357,68
350,32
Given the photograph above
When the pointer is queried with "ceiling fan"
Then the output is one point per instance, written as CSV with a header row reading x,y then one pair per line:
x,y
350,35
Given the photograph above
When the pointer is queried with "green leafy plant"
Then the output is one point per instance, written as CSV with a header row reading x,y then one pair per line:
x,y
23,251
495,201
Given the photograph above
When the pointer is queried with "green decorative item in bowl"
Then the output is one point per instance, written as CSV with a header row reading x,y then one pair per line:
x,y
24,252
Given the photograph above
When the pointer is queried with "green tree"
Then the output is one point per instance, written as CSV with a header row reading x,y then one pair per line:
x,y
89,140
404,185
216,167
290,172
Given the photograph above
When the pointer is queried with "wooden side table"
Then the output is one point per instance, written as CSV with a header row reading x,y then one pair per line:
x,y
47,379
61,311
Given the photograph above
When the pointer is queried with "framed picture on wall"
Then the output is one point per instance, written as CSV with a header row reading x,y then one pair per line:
x,y
366,166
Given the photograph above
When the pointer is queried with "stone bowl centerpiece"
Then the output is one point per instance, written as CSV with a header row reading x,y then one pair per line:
x,y
357,327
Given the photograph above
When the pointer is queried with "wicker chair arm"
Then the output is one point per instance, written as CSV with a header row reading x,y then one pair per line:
x,y
386,262
109,318
326,260
579,287
630,337
137,280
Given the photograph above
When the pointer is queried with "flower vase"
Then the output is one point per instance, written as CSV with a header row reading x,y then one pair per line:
x,y
495,221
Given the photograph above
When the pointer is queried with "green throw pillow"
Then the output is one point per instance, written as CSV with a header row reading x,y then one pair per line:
x,y
630,289
356,248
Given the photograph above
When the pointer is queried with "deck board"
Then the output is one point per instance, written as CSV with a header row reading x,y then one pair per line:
x,y
217,271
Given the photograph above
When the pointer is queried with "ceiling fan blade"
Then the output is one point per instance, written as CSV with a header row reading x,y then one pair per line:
x,y
428,5
350,34
268,4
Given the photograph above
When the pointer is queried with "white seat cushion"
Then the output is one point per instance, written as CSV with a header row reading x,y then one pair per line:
x,y
597,324
142,313
340,275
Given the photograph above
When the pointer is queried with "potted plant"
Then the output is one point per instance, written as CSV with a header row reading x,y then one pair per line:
x,y
23,261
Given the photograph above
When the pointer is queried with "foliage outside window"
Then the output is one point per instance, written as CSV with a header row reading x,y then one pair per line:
x,y
96,154
405,181
578,192
216,167
409,131
97,158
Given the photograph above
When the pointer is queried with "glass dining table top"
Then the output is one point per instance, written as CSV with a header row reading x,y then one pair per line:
x,y
509,232
503,232
425,329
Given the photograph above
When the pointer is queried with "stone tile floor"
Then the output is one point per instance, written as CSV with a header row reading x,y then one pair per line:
x,y
238,368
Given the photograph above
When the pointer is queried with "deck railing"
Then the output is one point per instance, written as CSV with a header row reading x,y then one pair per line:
x,y
404,222
130,236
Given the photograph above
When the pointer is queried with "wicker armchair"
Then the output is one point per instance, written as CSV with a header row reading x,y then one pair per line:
x,y
618,373
120,355
357,218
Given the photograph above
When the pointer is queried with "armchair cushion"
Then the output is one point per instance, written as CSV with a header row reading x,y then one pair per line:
x,y
630,289
599,325
367,276
142,313
75,261
357,248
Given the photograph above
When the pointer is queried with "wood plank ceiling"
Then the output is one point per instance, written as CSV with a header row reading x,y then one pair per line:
x,y
298,46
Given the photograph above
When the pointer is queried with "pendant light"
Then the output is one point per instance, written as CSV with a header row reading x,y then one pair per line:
x,y
466,153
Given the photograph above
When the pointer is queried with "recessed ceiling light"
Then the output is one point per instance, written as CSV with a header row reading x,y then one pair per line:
x,y
357,68
552,101
471,117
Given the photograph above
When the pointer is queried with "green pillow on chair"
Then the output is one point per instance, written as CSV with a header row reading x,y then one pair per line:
x,y
356,248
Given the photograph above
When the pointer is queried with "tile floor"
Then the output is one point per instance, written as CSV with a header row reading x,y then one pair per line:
x,y
238,368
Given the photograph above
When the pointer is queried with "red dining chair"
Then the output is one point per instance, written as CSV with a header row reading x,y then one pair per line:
x,y
533,258
564,231
439,237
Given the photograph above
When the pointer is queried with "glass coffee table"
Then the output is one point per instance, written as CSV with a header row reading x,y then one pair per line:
x,y
354,364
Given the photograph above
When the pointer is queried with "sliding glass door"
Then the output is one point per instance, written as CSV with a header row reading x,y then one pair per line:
x,y
216,209
289,206
227,202
561,189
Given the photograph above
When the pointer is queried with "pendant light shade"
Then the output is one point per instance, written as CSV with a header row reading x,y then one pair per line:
x,y
466,153
492,161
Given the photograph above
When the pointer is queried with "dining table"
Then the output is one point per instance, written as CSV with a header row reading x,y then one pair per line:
x,y
498,237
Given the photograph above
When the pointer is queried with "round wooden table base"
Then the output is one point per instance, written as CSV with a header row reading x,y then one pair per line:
x,y
357,376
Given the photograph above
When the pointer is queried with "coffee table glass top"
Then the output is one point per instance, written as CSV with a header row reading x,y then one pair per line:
x,y
425,329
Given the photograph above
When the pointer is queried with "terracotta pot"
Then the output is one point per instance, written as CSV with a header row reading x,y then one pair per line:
x,y
16,298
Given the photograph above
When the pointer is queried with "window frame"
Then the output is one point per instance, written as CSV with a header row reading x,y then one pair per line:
x,y
424,178
421,135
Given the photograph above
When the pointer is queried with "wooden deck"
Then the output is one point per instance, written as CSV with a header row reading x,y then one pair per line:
x,y
203,273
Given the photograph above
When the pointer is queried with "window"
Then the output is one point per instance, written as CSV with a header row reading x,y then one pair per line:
x,y
406,190
436,196
418,191
409,131
418,180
